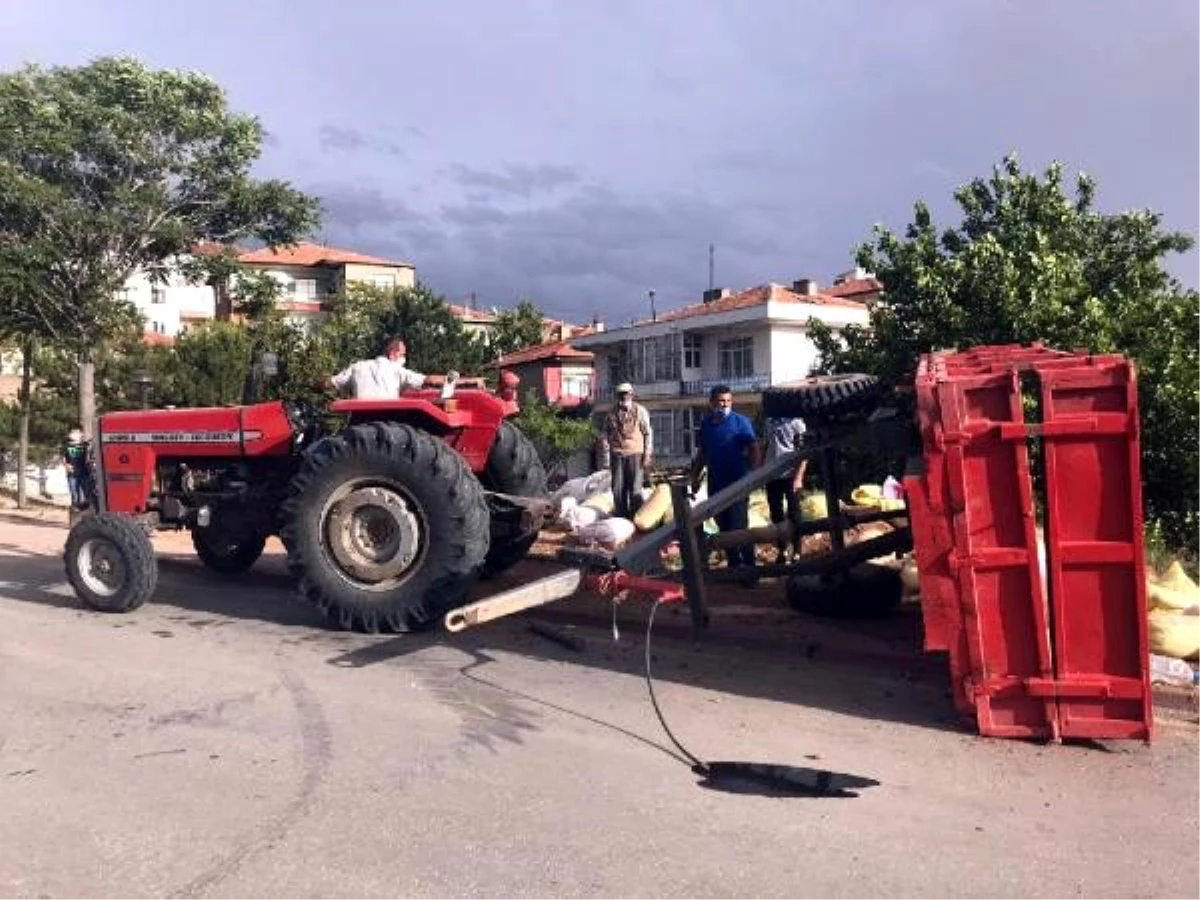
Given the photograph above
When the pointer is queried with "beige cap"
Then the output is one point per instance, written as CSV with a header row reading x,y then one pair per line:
x,y
624,388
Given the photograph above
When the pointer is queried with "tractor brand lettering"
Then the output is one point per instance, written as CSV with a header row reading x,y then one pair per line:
x,y
172,437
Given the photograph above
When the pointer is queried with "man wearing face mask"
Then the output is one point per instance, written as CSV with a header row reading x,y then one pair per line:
x,y
381,378
727,446
627,442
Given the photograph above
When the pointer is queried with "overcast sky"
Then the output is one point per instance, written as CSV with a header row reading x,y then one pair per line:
x,y
581,153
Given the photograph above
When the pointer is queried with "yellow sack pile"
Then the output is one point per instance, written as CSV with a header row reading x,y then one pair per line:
x,y
655,509
872,495
812,507
1174,615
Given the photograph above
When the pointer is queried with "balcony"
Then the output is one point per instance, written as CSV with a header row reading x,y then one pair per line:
x,y
700,388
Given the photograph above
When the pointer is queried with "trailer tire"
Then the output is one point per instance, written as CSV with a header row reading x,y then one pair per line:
x,y
385,527
864,592
513,467
822,396
225,553
110,562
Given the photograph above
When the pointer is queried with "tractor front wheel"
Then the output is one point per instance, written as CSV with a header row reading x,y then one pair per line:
x,y
110,562
386,528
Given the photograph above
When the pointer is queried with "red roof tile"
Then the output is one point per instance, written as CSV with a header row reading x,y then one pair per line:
x,y
306,254
552,350
855,287
756,296
155,339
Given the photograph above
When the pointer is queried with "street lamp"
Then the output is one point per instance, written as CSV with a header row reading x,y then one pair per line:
x,y
142,381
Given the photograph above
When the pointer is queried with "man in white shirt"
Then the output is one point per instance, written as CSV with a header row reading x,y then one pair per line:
x,y
381,378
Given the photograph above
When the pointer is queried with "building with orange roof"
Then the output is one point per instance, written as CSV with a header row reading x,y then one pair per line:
x,y
748,339
308,273
557,372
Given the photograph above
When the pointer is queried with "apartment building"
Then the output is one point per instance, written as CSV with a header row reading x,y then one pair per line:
x,y
308,274
747,340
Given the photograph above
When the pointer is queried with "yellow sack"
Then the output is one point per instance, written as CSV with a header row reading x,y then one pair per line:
x,y
867,495
603,502
813,507
1177,580
654,509
1174,634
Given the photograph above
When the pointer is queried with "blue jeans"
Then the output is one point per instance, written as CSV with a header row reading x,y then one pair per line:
x,y
75,486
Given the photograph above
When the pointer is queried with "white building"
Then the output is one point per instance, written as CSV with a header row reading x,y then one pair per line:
x,y
309,274
748,340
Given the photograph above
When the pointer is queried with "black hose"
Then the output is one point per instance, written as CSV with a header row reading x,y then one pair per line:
x,y
698,765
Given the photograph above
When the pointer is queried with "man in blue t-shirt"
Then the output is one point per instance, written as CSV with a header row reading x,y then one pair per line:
x,y
727,446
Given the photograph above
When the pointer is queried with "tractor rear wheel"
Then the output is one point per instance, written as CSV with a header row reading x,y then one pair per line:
x,y
513,467
822,396
225,553
110,562
385,527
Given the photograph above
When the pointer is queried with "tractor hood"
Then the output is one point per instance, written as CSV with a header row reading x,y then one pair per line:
x,y
261,428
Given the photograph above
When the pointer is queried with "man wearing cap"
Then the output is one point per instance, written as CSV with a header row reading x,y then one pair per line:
x,y
74,456
381,378
627,442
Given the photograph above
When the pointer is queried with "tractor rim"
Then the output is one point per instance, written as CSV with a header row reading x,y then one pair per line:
x,y
375,533
102,567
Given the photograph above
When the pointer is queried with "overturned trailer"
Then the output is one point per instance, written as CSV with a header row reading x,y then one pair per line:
x,y
1046,637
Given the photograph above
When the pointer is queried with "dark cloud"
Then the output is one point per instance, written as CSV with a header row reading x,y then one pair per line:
x,y
594,252
338,138
517,179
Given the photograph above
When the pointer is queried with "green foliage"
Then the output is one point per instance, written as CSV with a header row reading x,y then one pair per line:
x,y
111,168
515,329
556,435
211,361
1031,261
436,339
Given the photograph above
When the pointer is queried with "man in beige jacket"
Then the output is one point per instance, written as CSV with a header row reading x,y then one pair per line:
x,y
627,442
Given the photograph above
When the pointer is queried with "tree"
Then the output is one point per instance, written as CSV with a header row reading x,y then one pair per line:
x,y
517,328
556,434
436,340
1031,262
114,167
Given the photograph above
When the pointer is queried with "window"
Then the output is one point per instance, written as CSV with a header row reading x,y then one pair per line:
x,y
662,423
646,360
576,385
736,357
692,345
158,294
305,289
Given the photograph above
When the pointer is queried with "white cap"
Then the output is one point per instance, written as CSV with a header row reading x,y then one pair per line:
x,y
74,436
624,388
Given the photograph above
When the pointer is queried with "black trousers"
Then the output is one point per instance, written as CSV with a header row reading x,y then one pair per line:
x,y
780,494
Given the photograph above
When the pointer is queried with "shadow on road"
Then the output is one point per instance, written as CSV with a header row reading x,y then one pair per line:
x,y
790,665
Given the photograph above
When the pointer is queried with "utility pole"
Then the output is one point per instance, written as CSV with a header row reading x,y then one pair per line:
x,y
712,254
653,312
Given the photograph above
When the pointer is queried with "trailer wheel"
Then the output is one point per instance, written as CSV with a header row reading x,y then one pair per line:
x,y
226,553
864,592
385,527
110,562
513,467
822,396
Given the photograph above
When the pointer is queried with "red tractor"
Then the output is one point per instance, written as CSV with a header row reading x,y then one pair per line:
x,y
387,522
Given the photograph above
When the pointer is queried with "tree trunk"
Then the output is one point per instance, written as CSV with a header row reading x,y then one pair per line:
x,y
87,393
26,401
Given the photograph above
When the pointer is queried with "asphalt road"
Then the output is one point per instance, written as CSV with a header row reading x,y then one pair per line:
x,y
223,742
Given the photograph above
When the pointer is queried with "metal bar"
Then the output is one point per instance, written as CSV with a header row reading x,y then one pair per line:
x,y
767,534
644,552
536,593
898,541
612,584
691,556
